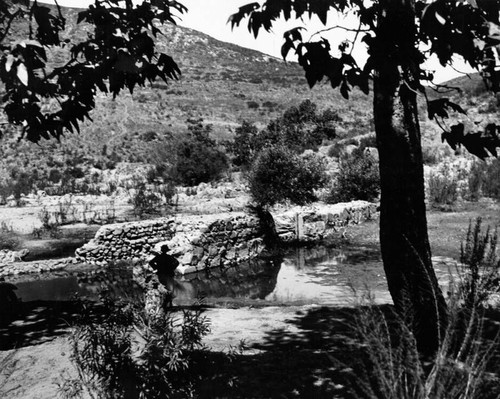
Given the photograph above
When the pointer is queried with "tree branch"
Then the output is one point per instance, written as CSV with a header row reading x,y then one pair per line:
x,y
358,30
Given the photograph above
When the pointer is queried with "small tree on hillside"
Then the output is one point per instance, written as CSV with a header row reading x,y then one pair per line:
x,y
299,128
278,175
197,159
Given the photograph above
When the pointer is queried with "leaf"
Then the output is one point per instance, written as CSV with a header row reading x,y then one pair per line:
x,y
344,89
455,136
440,19
22,74
287,46
335,72
440,107
8,62
473,143
243,11
294,34
82,16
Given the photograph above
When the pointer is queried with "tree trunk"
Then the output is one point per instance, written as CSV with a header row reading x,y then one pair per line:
x,y
403,225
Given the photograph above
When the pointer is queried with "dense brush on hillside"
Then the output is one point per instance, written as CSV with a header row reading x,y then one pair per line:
x,y
221,83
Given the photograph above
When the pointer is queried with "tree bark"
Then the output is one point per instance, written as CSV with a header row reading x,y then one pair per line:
x,y
403,224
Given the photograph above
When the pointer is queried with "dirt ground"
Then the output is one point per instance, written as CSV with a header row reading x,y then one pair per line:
x,y
34,371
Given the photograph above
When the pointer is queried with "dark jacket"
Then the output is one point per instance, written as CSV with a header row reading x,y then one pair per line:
x,y
164,264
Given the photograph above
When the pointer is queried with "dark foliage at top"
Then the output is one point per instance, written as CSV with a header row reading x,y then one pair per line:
x,y
119,53
448,28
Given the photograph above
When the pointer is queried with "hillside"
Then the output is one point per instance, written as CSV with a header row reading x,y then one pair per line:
x,y
221,83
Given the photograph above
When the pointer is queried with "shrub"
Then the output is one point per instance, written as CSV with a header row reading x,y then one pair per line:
x,y
466,363
299,128
55,176
491,185
484,180
475,181
481,277
278,175
389,365
111,364
252,104
335,150
357,179
144,201
443,188
430,155
367,141
198,158
244,146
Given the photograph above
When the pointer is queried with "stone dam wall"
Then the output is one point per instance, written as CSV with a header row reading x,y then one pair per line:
x,y
209,241
199,242
321,221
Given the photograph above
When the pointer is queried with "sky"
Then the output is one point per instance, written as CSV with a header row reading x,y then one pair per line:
x,y
210,17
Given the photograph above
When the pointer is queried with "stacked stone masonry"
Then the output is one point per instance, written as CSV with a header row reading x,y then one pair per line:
x,y
321,221
207,241
199,242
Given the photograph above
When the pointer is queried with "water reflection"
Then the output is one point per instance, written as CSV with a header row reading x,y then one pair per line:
x,y
254,280
318,275
325,275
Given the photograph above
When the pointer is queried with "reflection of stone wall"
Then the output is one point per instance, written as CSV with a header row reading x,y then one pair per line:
x,y
199,242
253,279
317,222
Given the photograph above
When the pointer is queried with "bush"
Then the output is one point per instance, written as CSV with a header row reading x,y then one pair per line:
x,y
144,201
368,140
357,179
491,185
443,188
475,181
430,155
299,128
278,175
466,363
244,146
112,364
198,158
481,278
252,104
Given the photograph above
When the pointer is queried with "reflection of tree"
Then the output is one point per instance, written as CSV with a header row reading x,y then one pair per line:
x,y
311,256
253,279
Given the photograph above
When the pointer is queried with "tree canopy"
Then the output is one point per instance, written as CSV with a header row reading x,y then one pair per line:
x,y
48,98
400,35
444,28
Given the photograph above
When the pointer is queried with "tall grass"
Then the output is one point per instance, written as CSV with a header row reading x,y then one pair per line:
x,y
466,364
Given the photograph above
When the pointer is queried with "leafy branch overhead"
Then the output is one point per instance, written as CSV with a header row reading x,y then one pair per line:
x,y
47,98
443,28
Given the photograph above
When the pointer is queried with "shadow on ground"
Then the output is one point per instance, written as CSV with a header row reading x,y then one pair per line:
x,y
322,359
308,363
36,322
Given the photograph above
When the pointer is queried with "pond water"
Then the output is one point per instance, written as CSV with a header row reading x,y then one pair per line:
x,y
319,275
